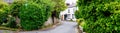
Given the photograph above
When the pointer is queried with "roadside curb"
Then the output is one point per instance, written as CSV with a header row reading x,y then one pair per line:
x,y
76,30
79,29
52,27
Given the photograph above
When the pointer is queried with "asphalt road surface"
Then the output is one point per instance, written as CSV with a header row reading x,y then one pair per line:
x,y
65,27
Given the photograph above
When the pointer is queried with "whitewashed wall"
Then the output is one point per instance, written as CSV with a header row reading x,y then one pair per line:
x,y
70,10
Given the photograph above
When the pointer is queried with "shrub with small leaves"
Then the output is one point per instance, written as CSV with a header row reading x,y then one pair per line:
x,y
32,14
11,22
3,11
101,16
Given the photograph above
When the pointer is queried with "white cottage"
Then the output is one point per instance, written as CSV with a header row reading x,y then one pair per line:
x,y
68,14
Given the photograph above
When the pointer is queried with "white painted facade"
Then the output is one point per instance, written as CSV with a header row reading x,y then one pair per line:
x,y
68,14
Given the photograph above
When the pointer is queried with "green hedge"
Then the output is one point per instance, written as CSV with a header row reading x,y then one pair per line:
x,y
32,14
15,7
11,22
5,16
3,11
101,16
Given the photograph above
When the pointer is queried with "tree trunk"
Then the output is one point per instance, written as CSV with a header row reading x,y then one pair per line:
x,y
53,16
53,19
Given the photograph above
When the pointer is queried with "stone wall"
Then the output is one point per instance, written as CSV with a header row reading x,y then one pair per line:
x,y
50,21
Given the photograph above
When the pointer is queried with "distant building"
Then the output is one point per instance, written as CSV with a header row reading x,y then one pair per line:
x,y
68,14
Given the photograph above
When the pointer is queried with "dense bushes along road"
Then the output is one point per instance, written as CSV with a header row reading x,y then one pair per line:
x,y
3,11
99,16
30,15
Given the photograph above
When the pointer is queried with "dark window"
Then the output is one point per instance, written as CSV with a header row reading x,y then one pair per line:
x,y
67,4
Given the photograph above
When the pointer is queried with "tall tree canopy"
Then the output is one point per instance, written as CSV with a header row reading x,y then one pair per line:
x,y
59,5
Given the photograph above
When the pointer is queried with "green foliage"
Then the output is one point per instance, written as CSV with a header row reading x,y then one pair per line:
x,y
55,5
59,6
101,16
15,7
32,14
3,11
47,5
11,22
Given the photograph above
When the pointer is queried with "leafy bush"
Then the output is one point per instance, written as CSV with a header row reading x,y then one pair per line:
x,y
15,7
32,14
11,22
59,6
101,16
3,11
48,6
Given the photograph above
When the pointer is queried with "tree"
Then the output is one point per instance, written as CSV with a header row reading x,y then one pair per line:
x,y
59,6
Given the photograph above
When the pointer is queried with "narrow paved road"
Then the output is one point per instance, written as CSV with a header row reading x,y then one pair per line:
x,y
65,27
